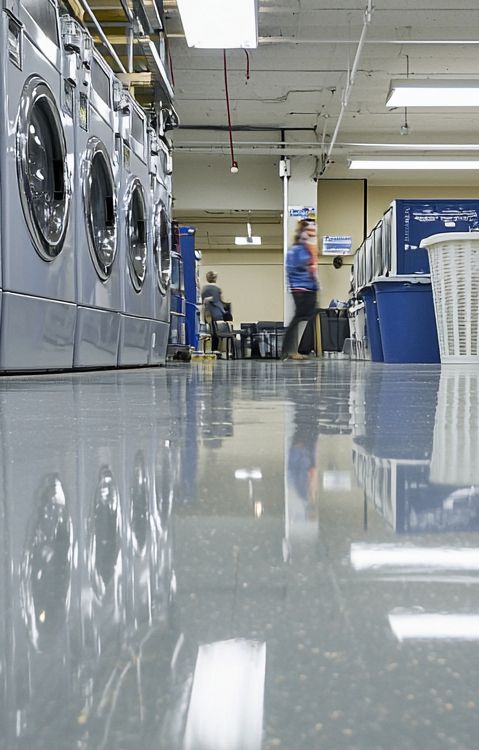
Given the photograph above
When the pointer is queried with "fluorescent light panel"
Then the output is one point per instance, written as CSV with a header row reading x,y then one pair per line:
x,y
220,24
433,93
247,240
416,163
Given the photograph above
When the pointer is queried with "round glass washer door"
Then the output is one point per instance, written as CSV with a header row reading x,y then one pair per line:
x,y
43,176
99,197
137,234
162,247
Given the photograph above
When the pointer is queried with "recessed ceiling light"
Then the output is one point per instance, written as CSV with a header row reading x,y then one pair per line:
x,y
433,93
220,24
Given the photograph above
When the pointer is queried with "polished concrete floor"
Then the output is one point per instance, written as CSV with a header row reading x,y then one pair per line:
x,y
240,556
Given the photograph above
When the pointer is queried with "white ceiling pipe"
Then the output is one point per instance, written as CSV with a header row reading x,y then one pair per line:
x,y
368,14
102,35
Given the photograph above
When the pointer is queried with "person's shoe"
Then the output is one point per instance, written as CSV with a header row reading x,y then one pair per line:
x,y
297,357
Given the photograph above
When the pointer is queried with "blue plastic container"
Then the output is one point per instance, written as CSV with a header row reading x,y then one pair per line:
x,y
407,320
372,324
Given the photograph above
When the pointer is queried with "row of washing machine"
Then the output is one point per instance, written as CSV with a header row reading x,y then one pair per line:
x,y
85,204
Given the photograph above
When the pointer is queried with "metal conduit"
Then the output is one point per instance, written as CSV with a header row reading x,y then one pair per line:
x,y
102,35
352,76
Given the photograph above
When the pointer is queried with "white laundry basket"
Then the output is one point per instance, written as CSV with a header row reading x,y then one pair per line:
x,y
455,451
454,261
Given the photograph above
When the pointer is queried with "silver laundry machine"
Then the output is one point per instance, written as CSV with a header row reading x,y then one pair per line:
x,y
96,239
37,164
160,176
135,238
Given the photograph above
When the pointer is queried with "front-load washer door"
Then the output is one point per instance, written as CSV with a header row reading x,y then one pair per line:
x,y
99,200
43,176
162,247
137,234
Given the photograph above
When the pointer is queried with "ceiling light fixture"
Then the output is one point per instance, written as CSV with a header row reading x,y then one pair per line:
x,y
220,24
249,239
416,163
433,93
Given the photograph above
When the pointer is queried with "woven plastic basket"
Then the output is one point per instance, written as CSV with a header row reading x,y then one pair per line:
x,y
454,262
455,451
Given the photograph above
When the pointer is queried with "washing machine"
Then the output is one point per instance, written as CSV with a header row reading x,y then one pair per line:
x,y
96,239
136,256
160,176
37,211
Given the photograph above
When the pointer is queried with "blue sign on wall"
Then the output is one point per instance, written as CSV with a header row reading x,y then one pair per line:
x,y
301,212
341,244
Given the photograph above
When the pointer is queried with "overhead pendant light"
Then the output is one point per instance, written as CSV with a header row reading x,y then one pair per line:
x,y
249,239
415,163
220,24
433,93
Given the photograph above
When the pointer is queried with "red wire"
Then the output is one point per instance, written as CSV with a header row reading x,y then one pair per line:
x,y
247,64
171,68
234,163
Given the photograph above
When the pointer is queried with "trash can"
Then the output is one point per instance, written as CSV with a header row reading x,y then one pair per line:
x,y
454,262
406,319
373,345
334,328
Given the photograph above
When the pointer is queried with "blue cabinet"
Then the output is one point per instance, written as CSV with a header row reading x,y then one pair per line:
x,y
191,260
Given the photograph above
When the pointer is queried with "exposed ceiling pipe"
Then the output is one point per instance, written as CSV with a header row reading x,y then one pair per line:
x,y
102,35
264,40
368,14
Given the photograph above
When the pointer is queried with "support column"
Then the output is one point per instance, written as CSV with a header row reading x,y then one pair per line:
x,y
302,193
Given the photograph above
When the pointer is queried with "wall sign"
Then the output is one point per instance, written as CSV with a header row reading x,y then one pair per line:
x,y
301,212
339,244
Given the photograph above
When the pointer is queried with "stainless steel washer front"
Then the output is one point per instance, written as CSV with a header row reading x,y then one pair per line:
x,y
43,176
100,204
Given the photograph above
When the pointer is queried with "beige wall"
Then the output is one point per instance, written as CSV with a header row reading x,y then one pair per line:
x,y
341,205
380,196
251,281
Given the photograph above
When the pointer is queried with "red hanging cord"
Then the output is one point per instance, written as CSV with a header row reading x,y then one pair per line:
x,y
247,65
234,163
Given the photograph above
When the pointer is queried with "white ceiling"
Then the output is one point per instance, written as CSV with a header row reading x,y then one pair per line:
x,y
300,70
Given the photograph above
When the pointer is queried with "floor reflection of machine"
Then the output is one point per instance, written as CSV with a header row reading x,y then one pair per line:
x,y
96,174
36,162
135,240
39,499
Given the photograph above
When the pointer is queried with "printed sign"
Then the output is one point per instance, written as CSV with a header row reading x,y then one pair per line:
x,y
341,244
301,212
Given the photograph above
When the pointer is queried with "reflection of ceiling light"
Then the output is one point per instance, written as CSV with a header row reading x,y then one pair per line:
x,y
433,93
227,696
248,474
220,24
258,508
373,557
418,626
249,239
416,163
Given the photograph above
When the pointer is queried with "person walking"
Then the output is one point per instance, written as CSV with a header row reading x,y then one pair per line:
x,y
214,310
302,274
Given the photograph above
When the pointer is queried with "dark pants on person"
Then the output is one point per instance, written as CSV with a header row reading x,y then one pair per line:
x,y
305,309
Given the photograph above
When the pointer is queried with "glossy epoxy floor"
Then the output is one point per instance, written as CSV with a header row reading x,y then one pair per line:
x,y
240,556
